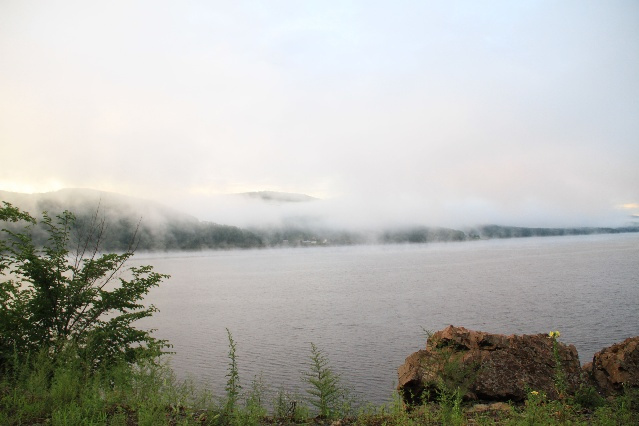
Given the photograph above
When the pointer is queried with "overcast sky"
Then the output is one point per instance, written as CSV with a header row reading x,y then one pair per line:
x,y
524,112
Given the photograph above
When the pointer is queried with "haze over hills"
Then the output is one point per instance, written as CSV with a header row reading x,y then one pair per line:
x,y
79,200
274,196
158,227
161,228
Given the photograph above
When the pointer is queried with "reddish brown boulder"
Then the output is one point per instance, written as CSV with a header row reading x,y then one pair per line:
x,y
410,383
616,366
487,367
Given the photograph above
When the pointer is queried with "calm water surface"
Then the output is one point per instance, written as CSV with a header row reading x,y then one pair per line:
x,y
365,306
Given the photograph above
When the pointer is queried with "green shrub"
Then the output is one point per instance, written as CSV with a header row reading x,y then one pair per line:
x,y
69,294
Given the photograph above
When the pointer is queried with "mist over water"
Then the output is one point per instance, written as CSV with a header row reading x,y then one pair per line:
x,y
365,306
358,212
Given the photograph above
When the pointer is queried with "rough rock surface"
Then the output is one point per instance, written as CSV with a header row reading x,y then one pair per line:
x,y
487,367
615,366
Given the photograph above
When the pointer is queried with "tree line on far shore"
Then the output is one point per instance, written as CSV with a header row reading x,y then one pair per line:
x,y
159,228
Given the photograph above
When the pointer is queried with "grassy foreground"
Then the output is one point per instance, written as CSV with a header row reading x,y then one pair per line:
x,y
42,393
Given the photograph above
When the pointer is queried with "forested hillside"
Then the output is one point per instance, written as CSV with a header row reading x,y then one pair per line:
x,y
157,228
161,228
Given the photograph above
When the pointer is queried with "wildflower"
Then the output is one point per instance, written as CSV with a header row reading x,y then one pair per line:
x,y
554,334
534,393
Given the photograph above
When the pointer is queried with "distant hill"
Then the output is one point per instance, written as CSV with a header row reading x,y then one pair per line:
x,y
85,201
274,196
161,228
158,228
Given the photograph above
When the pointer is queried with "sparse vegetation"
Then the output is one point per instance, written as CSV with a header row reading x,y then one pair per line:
x,y
40,391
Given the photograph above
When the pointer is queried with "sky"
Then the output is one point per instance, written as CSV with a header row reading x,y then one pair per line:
x,y
440,113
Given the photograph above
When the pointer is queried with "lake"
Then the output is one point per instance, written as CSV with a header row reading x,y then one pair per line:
x,y
366,307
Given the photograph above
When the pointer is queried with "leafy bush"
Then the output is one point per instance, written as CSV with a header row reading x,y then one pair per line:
x,y
68,296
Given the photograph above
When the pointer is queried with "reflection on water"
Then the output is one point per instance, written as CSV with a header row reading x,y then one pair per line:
x,y
365,306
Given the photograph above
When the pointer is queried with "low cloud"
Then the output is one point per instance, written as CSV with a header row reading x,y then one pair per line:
x,y
441,114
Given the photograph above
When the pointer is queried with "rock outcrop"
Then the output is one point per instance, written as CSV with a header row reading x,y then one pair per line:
x,y
614,367
487,367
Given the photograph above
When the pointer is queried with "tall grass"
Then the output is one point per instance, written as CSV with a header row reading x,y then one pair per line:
x,y
39,390
63,393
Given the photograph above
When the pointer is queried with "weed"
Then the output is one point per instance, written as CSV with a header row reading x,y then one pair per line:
x,y
325,391
450,406
287,406
233,383
254,409
561,385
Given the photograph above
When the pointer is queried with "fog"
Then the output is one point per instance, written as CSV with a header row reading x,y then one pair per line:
x,y
375,214
441,114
